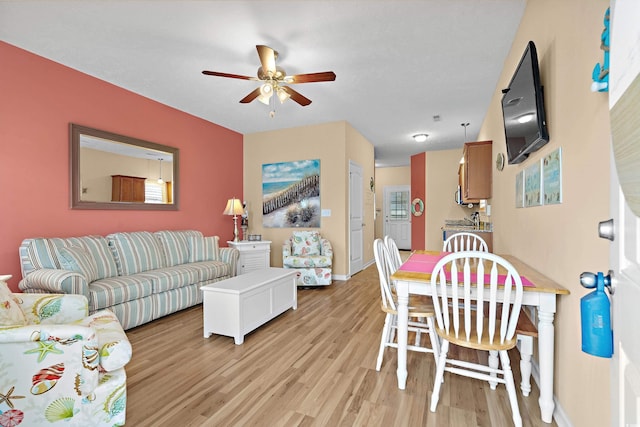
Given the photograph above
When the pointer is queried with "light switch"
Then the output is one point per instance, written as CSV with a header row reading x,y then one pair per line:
x,y
326,212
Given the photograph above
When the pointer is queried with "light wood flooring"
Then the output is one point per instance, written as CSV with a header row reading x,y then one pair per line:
x,y
314,366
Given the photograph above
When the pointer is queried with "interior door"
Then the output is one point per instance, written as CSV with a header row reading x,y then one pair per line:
x,y
624,98
397,215
356,220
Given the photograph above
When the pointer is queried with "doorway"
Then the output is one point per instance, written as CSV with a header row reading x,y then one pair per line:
x,y
397,215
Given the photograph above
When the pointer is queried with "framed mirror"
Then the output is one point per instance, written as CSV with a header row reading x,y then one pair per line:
x,y
111,171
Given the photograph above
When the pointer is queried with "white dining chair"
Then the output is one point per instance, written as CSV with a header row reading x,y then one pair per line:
x,y
464,241
458,292
526,332
421,310
394,252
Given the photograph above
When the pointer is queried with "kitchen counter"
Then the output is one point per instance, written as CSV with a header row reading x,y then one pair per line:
x,y
449,230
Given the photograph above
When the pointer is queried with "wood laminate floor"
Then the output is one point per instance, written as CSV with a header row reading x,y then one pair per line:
x,y
314,366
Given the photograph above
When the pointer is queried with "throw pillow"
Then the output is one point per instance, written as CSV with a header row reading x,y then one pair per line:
x,y
78,259
203,248
10,311
306,243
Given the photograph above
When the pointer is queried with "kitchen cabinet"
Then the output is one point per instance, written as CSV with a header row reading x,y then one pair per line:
x,y
475,172
127,188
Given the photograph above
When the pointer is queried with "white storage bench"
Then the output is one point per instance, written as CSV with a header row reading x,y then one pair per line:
x,y
236,306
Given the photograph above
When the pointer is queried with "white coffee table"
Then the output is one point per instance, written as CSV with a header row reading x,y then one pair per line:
x,y
236,306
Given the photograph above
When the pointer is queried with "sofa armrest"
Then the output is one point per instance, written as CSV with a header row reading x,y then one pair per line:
x,y
114,346
53,308
230,256
47,280
325,248
286,248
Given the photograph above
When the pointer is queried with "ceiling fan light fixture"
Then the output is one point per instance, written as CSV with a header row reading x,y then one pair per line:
x,y
420,137
266,92
282,95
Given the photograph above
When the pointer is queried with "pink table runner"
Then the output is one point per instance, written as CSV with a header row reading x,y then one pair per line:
x,y
424,263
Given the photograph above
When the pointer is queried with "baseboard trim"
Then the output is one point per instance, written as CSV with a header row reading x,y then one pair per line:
x,y
348,276
559,415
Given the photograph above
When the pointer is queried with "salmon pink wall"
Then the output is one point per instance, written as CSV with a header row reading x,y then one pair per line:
x,y
38,100
418,188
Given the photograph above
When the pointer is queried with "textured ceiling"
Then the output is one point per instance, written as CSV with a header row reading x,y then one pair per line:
x,y
398,63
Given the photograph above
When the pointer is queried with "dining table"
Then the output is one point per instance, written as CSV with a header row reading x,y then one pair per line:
x,y
539,291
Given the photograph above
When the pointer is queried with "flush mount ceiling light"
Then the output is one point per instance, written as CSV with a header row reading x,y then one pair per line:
x,y
420,137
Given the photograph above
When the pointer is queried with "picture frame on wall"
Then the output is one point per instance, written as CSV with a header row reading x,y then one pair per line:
x,y
291,194
552,177
520,189
533,185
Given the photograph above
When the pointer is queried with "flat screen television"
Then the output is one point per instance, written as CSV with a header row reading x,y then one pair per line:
x,y
525,126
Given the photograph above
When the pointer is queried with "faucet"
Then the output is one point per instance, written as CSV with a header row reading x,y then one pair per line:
x,y
476,220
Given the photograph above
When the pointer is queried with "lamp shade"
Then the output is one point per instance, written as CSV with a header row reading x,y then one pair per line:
x,y
234,207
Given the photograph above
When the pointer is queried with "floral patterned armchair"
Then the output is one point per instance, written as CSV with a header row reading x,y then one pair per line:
x,y
58,363
311,255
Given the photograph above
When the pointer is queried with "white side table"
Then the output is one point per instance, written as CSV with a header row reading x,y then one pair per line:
x,y
254,255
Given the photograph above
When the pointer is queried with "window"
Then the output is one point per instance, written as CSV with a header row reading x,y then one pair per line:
x,y
399,206
153,192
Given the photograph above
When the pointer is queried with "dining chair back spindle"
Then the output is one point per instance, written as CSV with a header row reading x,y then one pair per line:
x,y
458,293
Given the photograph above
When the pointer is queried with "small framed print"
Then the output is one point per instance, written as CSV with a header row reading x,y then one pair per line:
x,y
552,177
520,189
532,185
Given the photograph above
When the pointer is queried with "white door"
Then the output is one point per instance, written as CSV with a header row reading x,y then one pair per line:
x,y
397,215
624,101
356,221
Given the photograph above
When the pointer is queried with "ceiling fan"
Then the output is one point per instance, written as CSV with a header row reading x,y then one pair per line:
x,y
275,80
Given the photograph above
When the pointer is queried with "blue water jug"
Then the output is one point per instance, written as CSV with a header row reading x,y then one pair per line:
x,y
595,312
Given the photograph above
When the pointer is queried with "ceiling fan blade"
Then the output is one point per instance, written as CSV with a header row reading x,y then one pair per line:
x,y
326,76
296,96
253,95
267,59
233,76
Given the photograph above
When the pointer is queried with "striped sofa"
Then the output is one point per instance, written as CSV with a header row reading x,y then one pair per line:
x,y
140,276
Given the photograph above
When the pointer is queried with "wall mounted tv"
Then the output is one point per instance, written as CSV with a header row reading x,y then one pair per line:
x,y
525,126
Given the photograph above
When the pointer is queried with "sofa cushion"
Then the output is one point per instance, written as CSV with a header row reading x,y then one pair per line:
x,y
36,254
172,277
116,290
211,270
10,311
305,243
102,255
136,252
75,258
175,245
203,249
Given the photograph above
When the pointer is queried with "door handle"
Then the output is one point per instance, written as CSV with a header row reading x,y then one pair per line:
x,y
606,229
589,281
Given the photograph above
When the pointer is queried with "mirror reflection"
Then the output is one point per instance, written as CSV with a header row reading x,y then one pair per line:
x,y
111,171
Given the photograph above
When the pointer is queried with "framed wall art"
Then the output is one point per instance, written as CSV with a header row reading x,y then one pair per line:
x,y
552,177
520,189
532,185
291,194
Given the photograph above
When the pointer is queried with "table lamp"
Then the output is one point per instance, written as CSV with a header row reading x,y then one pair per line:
x,y
234,207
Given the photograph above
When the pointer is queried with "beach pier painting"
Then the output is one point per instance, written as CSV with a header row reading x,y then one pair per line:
x,y
291,194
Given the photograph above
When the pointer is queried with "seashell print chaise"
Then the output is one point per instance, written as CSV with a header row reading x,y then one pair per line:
x,y
140,276
60,364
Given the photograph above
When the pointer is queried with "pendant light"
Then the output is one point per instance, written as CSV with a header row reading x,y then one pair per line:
x,y
160,181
